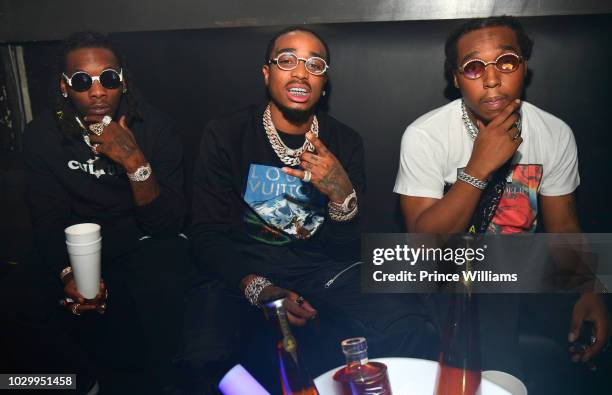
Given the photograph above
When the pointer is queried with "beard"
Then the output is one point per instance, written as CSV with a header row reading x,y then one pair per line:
x,y
296,117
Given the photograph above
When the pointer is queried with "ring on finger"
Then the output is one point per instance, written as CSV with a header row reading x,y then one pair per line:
x,y
97,128
94,148
299,300
307,176
514,136
106,120
74,309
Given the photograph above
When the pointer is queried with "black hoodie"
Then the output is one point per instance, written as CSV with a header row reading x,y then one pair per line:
x,y
67,185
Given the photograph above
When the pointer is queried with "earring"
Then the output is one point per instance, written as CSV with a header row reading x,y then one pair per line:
x,y
324,93
64,94
124,89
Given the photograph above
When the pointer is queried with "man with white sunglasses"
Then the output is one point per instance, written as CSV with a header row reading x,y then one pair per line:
x,y
104,156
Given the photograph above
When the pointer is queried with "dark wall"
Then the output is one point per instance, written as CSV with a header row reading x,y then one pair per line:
x,y
34,20
384,75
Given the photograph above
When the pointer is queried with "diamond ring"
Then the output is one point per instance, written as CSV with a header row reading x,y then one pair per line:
x,y
106,120
307,176
97,128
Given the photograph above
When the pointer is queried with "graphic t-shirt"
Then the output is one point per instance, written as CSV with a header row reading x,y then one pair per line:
x,y
250,217
437,145
283,206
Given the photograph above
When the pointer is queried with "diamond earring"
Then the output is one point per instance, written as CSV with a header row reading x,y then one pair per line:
x,y
324,93
64,94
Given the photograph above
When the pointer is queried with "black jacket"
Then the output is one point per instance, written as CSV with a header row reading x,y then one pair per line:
x,y
220,233
66,186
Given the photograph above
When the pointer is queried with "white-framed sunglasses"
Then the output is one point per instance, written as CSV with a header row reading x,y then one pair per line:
x,y
288,61
82,81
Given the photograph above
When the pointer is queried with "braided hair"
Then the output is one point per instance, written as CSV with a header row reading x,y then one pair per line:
x,y
65,112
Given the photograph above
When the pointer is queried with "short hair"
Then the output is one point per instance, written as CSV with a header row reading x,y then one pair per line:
x,y
272,41
450,48
64,110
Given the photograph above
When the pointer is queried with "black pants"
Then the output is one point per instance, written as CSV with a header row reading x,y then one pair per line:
x,y
129,349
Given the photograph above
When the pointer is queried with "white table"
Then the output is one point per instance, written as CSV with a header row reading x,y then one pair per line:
x,y
410,376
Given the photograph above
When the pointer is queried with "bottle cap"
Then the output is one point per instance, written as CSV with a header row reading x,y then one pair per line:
x,y
354,345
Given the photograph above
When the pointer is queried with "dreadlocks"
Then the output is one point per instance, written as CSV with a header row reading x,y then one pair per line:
x,y
64,109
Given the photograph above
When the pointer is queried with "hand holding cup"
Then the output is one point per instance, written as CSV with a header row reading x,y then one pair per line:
x,y
84,244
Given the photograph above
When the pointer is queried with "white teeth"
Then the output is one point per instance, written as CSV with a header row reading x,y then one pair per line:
x,y
298,91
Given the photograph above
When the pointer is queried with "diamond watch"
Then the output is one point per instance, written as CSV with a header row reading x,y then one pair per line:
x,y
347,205
141,174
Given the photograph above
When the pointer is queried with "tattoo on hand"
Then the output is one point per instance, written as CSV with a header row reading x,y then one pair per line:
x,y
336,183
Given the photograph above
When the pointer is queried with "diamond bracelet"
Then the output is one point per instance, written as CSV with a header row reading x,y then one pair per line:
x,y
254,288
473,181
340,215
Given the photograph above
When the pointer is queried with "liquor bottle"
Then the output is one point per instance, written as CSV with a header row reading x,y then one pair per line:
x,y
293,376
459,359
360,376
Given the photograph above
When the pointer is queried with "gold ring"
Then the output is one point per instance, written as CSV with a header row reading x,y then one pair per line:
x,y
97,128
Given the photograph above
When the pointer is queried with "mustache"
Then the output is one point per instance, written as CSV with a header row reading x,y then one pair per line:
x,y
300,82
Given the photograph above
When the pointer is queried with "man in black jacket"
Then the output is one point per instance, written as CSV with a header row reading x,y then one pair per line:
x,y
278,191
104,157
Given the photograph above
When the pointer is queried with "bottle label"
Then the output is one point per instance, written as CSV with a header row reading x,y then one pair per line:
x,y
289,344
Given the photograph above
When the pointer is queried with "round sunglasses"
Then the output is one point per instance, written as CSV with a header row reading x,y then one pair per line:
x,y
82,81
505,63
289,61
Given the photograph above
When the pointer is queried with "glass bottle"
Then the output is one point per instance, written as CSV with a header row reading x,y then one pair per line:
x,y
360,376
459,359
293,377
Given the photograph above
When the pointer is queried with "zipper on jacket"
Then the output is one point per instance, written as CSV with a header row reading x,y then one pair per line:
x,y
334,278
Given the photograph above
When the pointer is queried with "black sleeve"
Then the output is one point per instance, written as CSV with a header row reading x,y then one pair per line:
x,y
214,202
164,216
343,237
48,202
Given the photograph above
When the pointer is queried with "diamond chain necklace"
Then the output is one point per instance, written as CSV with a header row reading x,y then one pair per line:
x,y
473,130
287,155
